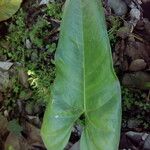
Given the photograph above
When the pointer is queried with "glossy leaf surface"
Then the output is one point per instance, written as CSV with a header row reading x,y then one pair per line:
x,y
85,82
8,8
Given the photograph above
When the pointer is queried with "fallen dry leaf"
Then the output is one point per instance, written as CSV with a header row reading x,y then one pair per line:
x,y
23,78
1,97
12,142
3,125
33,135
16,143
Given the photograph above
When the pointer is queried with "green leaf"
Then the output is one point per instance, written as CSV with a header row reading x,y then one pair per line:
x,y
85,82
8,8
14,127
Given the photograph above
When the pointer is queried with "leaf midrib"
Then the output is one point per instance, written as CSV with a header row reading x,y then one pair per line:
x,y
84,95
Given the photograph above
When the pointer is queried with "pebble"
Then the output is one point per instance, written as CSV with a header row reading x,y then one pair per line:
x,y
137,65
5,65
6,113
138,80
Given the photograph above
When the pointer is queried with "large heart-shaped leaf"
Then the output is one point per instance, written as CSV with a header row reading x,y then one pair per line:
x,y
85,82
8,8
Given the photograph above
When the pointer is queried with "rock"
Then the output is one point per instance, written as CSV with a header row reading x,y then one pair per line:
x,y
139,1
28,44
135,13
137,50
147,143
140,25
135,141
118,6
138,80
5,65
4,79
19,104
43,2
37,122
135,136
6,113
140,140
137,65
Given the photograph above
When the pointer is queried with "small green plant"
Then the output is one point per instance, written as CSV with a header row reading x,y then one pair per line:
x,y
11,93
16,38
135,105
128,99
36,58
36,34
114,23
54,10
